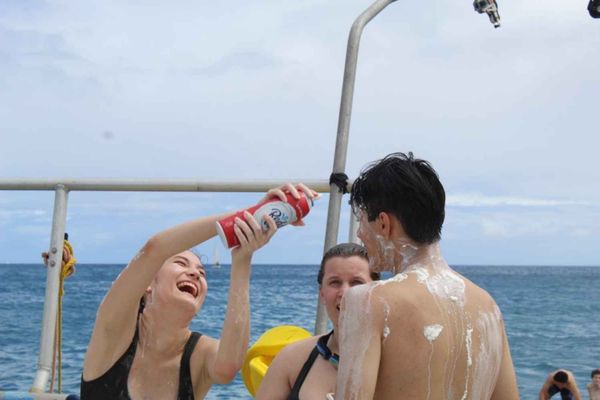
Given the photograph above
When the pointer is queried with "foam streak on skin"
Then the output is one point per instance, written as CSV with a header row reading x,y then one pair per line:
x,y
489,358
396,278
386,328
469,344
448,292
355,321
421,273
446,288
431,333
446,284
449,289
147,333
394,256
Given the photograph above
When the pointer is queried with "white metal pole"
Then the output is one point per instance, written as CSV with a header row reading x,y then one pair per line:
x,y
55,252
141,185
341,146
353,230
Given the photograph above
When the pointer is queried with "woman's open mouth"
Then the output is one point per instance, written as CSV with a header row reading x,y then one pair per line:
x,y
188,287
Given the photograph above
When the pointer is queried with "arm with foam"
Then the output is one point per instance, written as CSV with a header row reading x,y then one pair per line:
x,y
361,326
227,355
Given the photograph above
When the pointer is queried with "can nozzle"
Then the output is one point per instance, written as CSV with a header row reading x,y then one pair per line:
x,y
594,8
490,8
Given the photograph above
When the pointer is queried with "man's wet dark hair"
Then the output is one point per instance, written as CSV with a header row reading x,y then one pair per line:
x,y
406,187
344,250
595,372
561,376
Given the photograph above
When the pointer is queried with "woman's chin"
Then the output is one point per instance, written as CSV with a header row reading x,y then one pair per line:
x,y
185,303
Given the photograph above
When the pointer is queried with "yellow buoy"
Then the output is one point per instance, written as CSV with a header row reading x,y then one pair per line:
x,y
261,354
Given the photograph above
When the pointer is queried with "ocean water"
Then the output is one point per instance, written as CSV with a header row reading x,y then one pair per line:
x,y
551,315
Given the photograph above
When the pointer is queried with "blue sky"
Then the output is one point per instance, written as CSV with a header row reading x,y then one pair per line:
x,y
250,90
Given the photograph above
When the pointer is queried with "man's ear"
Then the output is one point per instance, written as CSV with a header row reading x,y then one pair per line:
x,y
384,223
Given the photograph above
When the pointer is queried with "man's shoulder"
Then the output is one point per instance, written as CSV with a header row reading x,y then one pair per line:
x,y
390,293
479,294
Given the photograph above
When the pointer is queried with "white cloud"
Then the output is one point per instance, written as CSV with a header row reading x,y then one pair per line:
x,y
551,225
40,230
481,200
8,215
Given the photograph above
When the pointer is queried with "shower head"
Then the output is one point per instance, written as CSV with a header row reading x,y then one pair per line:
x,y
490,8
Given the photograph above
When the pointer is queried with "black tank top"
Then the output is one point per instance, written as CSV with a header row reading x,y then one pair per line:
x,y
112,385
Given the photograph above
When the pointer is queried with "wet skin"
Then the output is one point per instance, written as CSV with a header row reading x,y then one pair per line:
x,y
427,333
340,274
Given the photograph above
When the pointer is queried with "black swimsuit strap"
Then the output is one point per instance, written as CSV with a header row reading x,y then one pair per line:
x,y
295,393
186,388
325,351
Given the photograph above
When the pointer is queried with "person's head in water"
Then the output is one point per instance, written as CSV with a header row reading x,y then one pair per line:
x,y
561,377
342,267
180,282
596,377
403,188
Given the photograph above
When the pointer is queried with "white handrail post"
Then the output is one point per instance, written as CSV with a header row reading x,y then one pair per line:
x,y
55,252
341,145
353,229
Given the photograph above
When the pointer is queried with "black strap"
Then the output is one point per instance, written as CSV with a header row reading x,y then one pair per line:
x,y
186,388
295,393
340,180
324,350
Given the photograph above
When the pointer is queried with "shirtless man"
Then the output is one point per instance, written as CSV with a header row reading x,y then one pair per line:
x,y
428,332
594,387
563,382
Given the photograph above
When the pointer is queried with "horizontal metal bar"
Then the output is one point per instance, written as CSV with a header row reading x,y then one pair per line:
x,y
8,395
142,185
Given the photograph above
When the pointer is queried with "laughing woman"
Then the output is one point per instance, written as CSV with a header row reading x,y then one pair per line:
x,y
145,349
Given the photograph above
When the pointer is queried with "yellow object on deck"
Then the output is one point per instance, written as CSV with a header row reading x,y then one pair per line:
x,y
261,354
67,269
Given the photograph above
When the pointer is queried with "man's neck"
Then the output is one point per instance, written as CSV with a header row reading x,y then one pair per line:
x,y
427,256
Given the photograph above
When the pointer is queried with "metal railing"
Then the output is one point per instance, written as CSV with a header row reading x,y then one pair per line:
x,y
341,144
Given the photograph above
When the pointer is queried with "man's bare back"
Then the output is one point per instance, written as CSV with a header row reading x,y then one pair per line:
x,y
439,336
427,333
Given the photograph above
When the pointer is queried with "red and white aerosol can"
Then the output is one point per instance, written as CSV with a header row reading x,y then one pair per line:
x,y
283,213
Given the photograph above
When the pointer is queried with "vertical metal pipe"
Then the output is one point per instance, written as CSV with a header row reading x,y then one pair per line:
x,y
341,145
44,369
